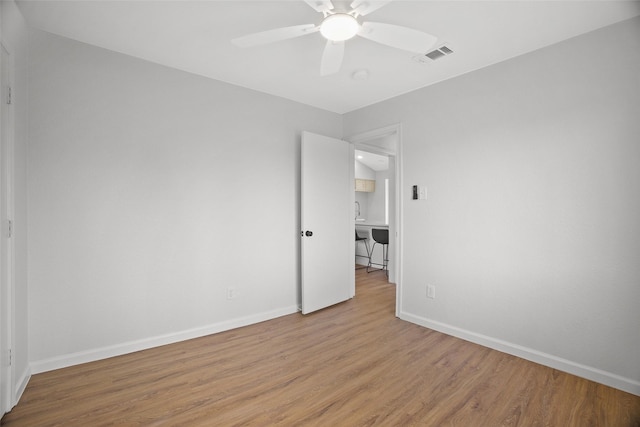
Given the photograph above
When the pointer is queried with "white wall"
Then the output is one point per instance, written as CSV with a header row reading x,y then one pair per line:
x,y
530,232
371,204
14,37
150,192
376,199
363,171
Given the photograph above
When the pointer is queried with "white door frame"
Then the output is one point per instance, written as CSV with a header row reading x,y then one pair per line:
x,y
7,308
360,141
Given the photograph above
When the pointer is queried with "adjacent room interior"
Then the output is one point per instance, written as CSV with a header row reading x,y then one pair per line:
x,y
151,176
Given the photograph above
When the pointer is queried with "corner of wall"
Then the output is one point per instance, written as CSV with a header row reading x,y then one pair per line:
x,y
21,384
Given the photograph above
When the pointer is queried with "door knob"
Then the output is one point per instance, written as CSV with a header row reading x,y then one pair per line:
x,y
309,233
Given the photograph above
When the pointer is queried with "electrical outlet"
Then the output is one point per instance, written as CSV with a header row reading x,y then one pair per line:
x,y
431,291
232,293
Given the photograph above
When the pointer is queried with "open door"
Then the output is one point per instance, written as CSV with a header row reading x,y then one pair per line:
x,y
328,243
6,305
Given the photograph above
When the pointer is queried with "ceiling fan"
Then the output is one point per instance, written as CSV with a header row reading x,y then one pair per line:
x,y
340,25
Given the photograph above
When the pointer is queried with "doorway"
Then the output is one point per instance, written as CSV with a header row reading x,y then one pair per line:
x,y
373,177
386,142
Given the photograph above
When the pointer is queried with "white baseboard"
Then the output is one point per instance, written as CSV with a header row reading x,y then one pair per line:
x,y
146,343
588,372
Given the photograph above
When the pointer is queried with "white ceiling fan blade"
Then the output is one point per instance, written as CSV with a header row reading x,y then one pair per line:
x,y
275,35
365,7
399,37
320,5
331,58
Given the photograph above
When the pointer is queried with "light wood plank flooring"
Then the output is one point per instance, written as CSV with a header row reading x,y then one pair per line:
x,y
353,364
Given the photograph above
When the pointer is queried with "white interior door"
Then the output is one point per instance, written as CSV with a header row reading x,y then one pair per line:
x,y
328,242
6,306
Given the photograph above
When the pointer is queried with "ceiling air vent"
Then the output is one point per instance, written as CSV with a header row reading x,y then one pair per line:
x,y
438,53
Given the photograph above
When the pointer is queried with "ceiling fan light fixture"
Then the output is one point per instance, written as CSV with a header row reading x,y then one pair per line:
x,y
339,27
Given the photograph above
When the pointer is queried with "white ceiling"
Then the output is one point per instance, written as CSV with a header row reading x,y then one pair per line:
x,y
194,36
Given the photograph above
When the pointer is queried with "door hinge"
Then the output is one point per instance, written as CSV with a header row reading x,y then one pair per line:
x,y
9,95
9,228
10,357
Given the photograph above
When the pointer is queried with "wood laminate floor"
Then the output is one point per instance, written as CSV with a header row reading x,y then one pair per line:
x,y
353,364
